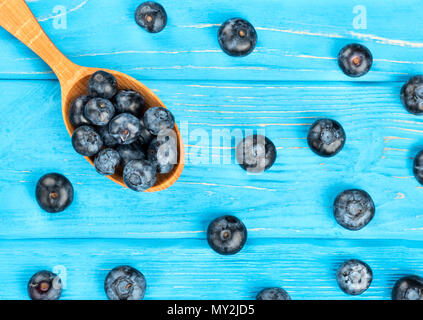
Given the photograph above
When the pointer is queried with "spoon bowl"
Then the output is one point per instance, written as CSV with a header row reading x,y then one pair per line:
x,y
17,18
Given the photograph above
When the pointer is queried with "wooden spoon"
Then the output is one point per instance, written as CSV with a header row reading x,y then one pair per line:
x,y
17,18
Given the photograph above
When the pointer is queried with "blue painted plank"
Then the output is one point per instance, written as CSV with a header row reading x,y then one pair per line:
x,y
297,40
188,269
291,200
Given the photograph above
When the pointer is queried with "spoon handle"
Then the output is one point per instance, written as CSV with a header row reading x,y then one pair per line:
x,y
17,18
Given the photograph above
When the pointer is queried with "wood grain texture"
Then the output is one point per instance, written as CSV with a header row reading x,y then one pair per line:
x,y
289,81
296,40
188,269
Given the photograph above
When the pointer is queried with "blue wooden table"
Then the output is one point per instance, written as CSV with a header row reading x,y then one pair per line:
x,y
291,79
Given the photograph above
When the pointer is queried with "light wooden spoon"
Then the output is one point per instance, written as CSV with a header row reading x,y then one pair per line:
x,y
17,18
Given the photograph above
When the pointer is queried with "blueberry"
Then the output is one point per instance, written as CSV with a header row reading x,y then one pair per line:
x,y
237,37
145,135
129,152
129,101
99,111
76,114
139,175
102,84
108,139
355,60
106,161
151,16
125,283
412,95
86,141
273,294
408,288
158,118
54,192
45,285
226,235
418,167
326,137
353,209
163,151
125,128
354,277
255,153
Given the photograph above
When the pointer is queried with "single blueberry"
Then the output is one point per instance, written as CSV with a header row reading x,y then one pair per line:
x,y
145,135
86,141
99,111
354,277
237,37
108,139
139,175
255,153
151,16
45,285
163,151
226,235
129,101
273,294
106,161
129,152
326,137
408,288
125,283
157,119
412,95
102,84
355,60
353,209
125,128
76,114
54,192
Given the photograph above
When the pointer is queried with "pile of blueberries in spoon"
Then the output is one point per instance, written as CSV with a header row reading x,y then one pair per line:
x,y
117,130
122,135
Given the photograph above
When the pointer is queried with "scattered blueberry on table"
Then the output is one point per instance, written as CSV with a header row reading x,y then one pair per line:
x,y
326,137
354,277
54,192
353,209
273,294
45,285
412,95
255,153
237,37
116,128
226,235
355,60
408,288
151,16
125,283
